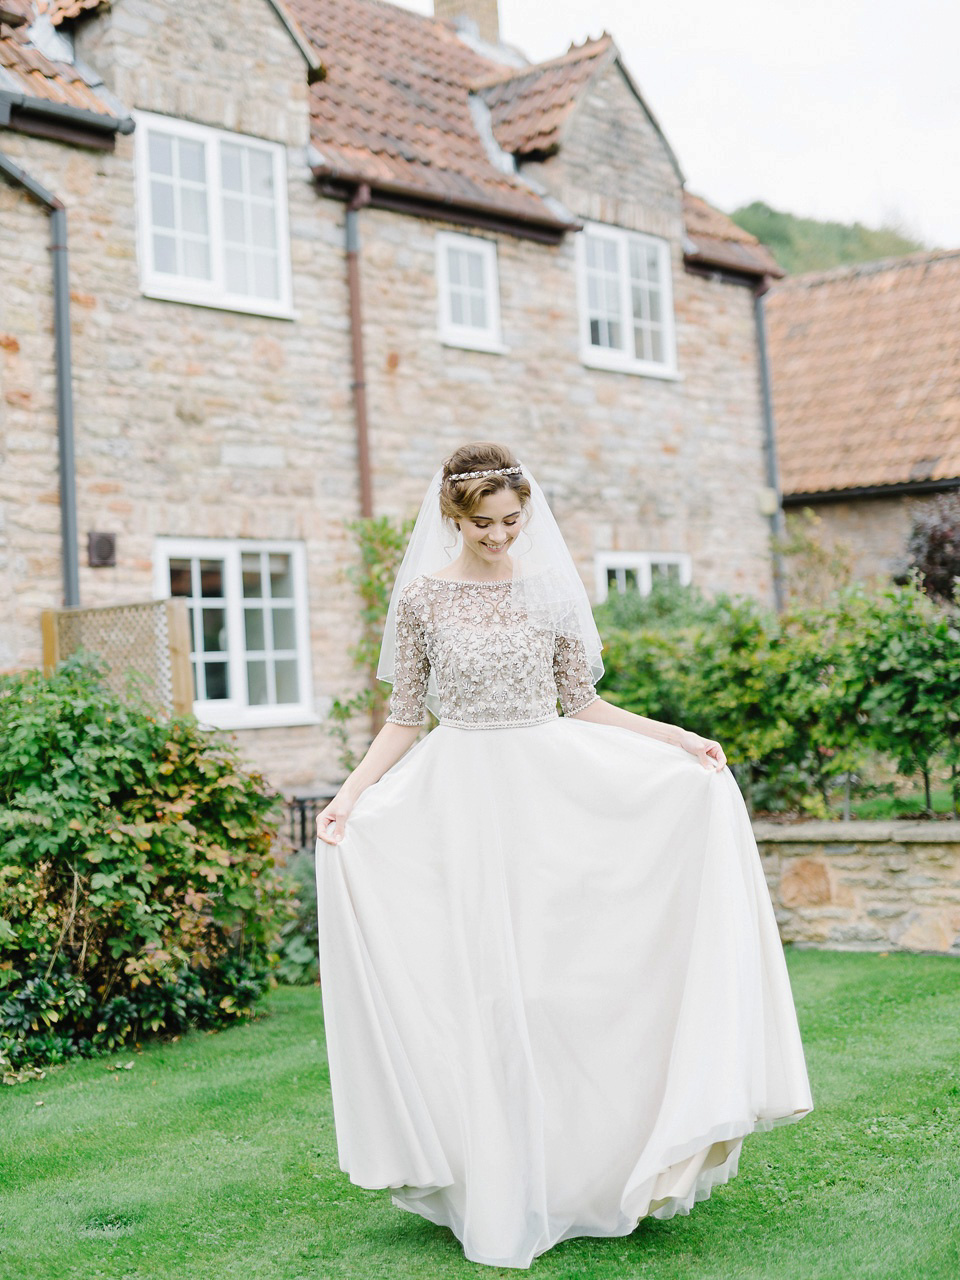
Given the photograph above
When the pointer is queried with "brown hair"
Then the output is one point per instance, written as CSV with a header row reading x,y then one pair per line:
x,y
460,498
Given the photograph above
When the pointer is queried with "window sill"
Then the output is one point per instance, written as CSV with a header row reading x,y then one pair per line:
x,y
279,312
490,346
619,364
255,717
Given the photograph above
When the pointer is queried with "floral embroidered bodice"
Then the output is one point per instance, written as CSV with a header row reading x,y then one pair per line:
x,y
493,668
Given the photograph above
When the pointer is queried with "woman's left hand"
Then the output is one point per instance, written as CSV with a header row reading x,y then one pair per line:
x,y
709,753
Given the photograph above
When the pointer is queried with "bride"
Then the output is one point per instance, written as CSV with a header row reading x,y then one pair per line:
x,y
555,997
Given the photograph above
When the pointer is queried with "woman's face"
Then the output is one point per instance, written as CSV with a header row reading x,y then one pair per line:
x,y
491,529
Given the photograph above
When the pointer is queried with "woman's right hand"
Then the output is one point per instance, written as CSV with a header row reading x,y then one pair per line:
x,y
332,820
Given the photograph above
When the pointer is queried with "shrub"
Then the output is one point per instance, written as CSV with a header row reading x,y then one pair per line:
x,y
933,546
137,882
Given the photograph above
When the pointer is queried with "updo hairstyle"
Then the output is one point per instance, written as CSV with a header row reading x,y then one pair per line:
x,y
460,498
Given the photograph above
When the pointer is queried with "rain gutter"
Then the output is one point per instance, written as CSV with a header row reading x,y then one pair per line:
x,y
360,199
777,523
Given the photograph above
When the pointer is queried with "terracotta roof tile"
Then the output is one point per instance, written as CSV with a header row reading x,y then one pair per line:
x,y
24,69
64,10
530,106
15,12
718,241
866,374
394,109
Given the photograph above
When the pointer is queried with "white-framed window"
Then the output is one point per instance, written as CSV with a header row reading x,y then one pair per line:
x,y
626,301
212,216
468,292
636,570
249,637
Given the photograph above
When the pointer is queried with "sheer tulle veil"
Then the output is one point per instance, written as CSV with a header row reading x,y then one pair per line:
x,y
546,587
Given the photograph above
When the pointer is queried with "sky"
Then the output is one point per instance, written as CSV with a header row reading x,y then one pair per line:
x,y
836,109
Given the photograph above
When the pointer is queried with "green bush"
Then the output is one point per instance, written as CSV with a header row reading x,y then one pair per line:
x,y
137,883
799,701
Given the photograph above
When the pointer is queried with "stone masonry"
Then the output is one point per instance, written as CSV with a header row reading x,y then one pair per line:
x,y
199,422
865,886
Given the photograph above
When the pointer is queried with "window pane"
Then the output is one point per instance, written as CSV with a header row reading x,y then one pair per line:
x,y
653,301
196,259
656,346
253,630
217,683
637,261
613,335
193,209
456,308
261,172
250,573
475,270
610,256
257,692
661,569
454,262
179,577
214,631
263,226
284,631
211,579
288,689
630,579
192,165
611,577
478,311
653,263
234,227
638,300
265,281
160,151
235,262
161,204
165,254
231,166
281,575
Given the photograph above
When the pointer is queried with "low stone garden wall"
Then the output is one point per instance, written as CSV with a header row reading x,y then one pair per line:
x,y
865,886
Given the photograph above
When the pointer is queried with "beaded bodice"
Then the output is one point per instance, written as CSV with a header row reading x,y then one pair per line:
x,y
493,668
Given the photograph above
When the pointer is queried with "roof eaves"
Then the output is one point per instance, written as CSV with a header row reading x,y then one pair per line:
x,y
300,39
18,111
340,183
635,90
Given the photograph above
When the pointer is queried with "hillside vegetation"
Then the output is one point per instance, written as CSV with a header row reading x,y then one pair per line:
x,y
806,244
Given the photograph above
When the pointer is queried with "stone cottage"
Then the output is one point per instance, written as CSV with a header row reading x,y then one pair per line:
x,y
866,382
265,263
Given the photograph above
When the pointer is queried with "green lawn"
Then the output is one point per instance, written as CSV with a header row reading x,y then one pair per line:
x,y
214,1157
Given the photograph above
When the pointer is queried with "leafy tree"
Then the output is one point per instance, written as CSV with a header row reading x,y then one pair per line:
x,y
381,544
808,244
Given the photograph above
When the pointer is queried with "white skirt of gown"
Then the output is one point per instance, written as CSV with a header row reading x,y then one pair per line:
x,y
554,993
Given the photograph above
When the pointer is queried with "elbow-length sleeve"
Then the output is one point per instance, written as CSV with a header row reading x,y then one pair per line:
x,y
411,668
572,673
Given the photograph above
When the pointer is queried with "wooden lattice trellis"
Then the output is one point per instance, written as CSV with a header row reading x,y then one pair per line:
x,y
151,637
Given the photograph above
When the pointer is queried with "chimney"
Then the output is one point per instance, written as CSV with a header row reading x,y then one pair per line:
x,y
480,13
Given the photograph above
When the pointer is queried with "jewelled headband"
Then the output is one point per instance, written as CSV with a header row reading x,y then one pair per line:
x,y
494,471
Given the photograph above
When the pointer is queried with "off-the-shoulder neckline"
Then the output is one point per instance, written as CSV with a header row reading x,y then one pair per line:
x,y
468,582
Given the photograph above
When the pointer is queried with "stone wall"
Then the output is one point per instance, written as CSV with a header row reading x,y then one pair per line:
x,y
190,421
865,886
875,530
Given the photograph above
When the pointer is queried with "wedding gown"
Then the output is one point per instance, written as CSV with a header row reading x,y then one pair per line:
x,y
554,992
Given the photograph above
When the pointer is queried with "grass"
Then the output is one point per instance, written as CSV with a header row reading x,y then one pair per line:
x,y
214,1157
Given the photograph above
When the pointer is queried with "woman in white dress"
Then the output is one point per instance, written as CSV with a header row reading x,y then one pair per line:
x,y
554,993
